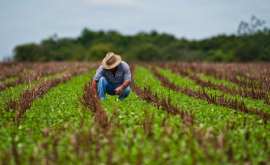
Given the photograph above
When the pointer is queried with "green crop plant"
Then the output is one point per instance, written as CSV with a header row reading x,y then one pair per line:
x,y
217,81
9,80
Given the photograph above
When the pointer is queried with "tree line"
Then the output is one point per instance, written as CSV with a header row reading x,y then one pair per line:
x,y
251,43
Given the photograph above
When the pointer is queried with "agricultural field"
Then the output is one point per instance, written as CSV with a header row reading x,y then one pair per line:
x,y
176,113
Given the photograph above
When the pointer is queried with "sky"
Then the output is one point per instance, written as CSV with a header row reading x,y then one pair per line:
x,y
31,21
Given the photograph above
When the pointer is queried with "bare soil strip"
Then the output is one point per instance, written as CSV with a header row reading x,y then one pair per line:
x,y
95,106
217,100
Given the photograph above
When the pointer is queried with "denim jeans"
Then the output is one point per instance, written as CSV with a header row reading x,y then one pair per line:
x,y
105,87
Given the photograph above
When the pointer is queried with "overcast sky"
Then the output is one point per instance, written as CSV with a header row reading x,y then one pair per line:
x,y
27,21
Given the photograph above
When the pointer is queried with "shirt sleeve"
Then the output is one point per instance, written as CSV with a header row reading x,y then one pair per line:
x,y
99,73
127,74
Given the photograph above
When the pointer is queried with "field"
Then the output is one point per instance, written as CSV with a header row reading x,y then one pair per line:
x,y
176,113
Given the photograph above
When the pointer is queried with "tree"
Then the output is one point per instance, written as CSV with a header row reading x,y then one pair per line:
x,y
163,39
173,51
147,52
72,52
252,40
98,52
86,38
247,51
27,52
250,28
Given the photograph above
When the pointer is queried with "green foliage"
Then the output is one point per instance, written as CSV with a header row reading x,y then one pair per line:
x,y
220,56
251,44
250,28
61,49
71,52
27,52
97,52
147,52
58,99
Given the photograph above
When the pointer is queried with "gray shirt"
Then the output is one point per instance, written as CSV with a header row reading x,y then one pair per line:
x,y
122,74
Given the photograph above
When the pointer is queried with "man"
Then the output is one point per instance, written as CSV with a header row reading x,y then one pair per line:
x,y
112,77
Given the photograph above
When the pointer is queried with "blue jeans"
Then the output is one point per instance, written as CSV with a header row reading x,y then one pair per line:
x,y
105,87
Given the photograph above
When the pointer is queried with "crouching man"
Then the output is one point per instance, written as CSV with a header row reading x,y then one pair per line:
x,y
112,77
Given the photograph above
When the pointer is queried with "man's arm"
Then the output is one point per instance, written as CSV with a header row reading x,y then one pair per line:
x,y
123,86
94,86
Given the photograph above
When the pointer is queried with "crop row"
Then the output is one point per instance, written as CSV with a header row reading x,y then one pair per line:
x,y
12,93
253,75
21,75
231,89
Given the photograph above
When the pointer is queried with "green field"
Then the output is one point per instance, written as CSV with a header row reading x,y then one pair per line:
x,y
172,116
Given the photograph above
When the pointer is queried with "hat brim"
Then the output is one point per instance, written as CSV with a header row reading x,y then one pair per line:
x,y
118,60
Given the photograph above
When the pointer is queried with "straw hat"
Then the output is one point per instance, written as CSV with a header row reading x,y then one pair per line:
x,y
111,60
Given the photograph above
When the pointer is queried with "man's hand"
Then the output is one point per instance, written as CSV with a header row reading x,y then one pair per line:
x,y
118,90
96,96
